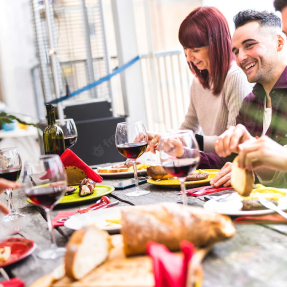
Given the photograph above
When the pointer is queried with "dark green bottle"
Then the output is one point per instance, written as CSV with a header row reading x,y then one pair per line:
x,y
53,135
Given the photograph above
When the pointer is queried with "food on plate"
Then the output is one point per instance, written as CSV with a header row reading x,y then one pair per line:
x,y
197,176
114,220
241,179
75,175
70,190
252,202
5,254
169,224
87,187
87,248
123,167
158,172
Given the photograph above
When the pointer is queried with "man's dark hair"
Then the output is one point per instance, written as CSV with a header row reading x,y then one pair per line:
x,y
265,18
280,4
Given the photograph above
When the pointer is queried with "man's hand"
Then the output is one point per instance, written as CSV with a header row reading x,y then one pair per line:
x,y
228,142
223,177
263,152
153,141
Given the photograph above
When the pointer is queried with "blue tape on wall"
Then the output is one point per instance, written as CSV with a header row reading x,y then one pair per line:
x,y
98,82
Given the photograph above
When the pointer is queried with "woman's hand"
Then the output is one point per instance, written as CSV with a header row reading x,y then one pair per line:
x,y
4,184
153,141
173,147
263,152
223,177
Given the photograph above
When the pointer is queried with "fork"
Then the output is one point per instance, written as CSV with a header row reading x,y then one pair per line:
x,y
270,205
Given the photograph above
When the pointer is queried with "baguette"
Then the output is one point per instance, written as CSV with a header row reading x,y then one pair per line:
x,y
242,180
86,249
170,223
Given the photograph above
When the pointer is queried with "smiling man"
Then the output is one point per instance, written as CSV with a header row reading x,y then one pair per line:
x,y
260,50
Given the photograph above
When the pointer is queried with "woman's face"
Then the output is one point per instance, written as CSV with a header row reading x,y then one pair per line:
x,y
199,57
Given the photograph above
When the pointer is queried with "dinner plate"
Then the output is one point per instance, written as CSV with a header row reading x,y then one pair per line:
x,y
97,217
232,206
175,182
100,190
20,249
121,174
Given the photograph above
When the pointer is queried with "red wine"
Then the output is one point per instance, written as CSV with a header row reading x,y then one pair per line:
x,y
70,141
132,150
10,174
45,196
181,167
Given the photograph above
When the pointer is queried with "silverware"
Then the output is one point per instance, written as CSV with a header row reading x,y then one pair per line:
x,y
218,197
4,274
270,205
95,208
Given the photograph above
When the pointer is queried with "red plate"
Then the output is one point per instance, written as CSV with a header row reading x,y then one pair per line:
x,y
20,248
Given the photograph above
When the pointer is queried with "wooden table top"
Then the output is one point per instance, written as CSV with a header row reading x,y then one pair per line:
x,y
255,256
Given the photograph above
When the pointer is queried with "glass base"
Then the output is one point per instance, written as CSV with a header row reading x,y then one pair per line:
x,y
52,253
12,216
138,193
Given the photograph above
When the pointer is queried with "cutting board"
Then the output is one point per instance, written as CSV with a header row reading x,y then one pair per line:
x,y
122,271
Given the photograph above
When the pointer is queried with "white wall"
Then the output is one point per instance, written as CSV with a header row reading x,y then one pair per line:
x,y
17,55
230,8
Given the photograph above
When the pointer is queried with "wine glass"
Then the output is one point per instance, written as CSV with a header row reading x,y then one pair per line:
x,y
70,131
179,155
131,142
45,183
10,169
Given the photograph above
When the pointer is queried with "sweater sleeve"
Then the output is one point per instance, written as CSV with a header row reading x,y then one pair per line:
x,y
279,180
191,120
236,89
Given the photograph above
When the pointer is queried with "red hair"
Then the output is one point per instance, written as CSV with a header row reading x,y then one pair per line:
x,y
206,26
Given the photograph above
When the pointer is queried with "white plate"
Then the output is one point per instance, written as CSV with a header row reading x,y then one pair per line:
x,y
97,217
121,174
233,204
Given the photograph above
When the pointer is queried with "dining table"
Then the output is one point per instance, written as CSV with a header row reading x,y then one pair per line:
x,y
255,256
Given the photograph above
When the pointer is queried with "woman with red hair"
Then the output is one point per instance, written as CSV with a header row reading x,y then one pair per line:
x,y
219,85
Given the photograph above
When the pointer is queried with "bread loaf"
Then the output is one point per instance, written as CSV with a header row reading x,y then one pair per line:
x,y
86,249
241,179
170,223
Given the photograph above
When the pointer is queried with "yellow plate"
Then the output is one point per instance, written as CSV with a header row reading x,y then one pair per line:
x,y
175,182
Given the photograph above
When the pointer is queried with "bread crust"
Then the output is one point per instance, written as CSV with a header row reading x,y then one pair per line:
x,y
242,180
157,172
170,223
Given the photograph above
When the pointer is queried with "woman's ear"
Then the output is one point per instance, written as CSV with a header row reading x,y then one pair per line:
x,y
281,42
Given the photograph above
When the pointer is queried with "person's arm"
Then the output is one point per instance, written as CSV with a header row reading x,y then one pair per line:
x,y
4,184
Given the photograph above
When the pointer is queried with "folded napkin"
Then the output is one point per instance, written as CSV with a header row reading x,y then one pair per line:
x,y
69,158
206,190
65,214
170,270
263,219
14,282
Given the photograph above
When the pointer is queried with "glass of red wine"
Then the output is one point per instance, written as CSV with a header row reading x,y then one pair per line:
x,y
10,169
179,155
70,131
131,142
45,183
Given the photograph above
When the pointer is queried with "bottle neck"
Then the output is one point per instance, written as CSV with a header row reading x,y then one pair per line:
x,y
51,117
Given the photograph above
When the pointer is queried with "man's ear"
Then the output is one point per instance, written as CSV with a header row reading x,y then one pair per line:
x,y
280,42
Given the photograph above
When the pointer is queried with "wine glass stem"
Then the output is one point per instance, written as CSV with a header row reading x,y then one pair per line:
x,y
51,229
183,192
10,200
136,175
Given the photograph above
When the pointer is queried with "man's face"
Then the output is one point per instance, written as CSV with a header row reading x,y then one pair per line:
x,y
284,20
255,52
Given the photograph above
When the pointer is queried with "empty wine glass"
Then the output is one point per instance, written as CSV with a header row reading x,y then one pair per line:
x,y
10,169
45,183
70,131
179,155
131,142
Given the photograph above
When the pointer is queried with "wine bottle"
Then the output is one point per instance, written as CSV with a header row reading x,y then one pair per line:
x,y
53,135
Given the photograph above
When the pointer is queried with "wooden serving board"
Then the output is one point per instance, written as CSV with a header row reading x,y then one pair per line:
x,y
122,271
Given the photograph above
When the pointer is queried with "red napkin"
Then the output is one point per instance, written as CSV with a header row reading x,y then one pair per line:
x,y
208,190
62,214
14,282
170,270
69,158
263,219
